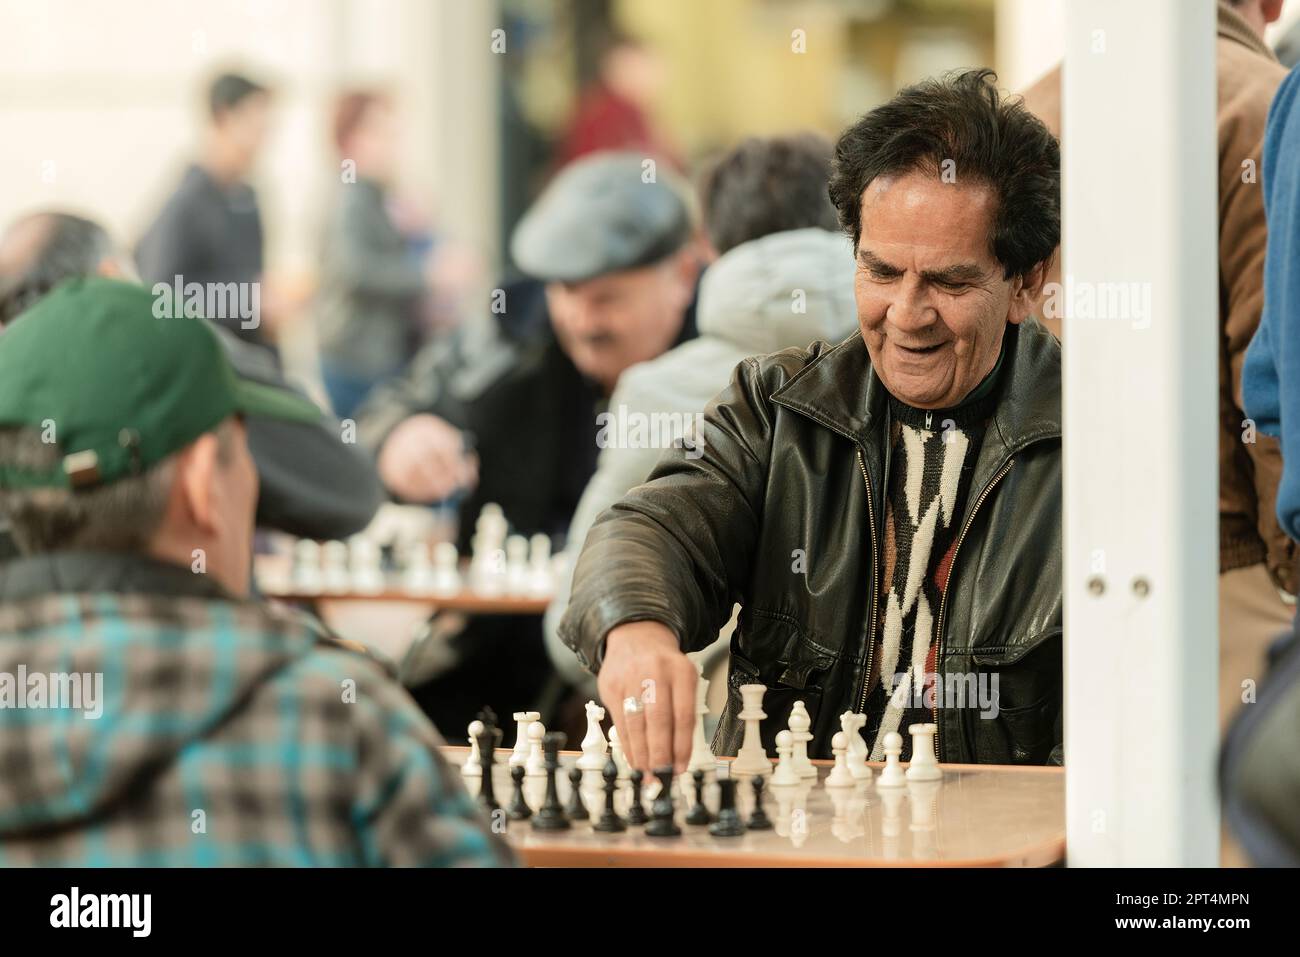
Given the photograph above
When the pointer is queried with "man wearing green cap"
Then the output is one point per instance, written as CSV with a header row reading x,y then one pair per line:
x,y
191,726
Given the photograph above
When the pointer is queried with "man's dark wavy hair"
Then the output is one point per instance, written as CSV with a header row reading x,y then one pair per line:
x,y
990,138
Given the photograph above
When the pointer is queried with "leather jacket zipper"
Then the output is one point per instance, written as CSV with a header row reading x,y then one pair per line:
x,y
943,602
871,622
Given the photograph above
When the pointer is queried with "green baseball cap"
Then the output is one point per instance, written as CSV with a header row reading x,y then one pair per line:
x,y
119,389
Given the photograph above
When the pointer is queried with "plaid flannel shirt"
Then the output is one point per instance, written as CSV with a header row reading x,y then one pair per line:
x,y
231,733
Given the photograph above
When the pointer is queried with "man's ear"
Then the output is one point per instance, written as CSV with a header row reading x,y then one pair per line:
x,y
196,481
1272,10
1025,291
687,270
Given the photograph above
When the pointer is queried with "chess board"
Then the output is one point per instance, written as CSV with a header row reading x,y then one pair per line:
x,y
976,816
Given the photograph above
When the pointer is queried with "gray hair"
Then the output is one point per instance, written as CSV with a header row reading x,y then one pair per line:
x,y
70,246
122,516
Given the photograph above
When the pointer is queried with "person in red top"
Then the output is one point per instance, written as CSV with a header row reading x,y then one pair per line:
x,y
613,113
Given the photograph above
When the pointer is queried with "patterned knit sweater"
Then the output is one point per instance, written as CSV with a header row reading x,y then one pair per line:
x,y
931,463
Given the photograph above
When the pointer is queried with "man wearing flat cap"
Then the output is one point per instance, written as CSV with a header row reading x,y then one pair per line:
x,y
168,718
610,252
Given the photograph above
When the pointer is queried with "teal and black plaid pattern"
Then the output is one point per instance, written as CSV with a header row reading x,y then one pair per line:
x,y
232,734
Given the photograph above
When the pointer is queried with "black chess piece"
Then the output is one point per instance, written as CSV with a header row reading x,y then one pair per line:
x,y
518,809
609,821
488,739
759,821
661,811
550,817
698,815
728,823
636,813
576,810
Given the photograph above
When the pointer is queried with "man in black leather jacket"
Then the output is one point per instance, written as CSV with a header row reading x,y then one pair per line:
x,y
887,511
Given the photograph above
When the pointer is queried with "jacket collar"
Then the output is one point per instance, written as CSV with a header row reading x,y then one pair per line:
x,y
90,572
841,391
1233,26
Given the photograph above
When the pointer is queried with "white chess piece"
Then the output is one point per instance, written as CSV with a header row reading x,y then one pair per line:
x,y
445,578
852,723
840,776
516,565
594,746
702,758
540,583
418,576
751,758
620,759
924,766
487,572
307,576
785,774
522,720
535,766
800,723
892,775
335,567
367,577
473,766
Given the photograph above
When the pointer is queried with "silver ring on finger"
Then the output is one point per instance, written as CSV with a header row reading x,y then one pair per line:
x,y
633,705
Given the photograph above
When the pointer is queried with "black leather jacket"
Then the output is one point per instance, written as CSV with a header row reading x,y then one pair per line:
x,y
781,511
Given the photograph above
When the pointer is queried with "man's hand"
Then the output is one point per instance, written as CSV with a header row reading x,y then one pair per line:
x,y
643,662
424,460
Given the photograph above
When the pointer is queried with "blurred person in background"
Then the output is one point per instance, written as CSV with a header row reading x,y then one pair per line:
x,y
614,113
136,526
780,281
614,260
210,229
313,484
377,266
1258,570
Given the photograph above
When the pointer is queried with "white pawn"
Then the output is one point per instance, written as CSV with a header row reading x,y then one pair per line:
x,y
594,745
473,766
840,776
540,584
487,573
702,758
522,720
800,723
445,578
418,576
307,576
924,766
852,723
892,776
620,759
337,577
535,766
516,565
785,773
367,577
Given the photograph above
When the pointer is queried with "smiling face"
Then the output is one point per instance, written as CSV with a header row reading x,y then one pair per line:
x,y
932,301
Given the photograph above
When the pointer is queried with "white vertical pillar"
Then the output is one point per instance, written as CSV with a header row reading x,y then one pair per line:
x,y
1141,545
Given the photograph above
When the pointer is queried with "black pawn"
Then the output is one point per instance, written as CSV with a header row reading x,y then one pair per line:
x,y
518,809
487,743
550,817
576,810
728,823
609,821
661,811
636,813
759,821
698,815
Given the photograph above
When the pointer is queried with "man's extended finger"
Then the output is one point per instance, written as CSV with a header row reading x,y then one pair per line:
x,y
683,714
633,733
659,720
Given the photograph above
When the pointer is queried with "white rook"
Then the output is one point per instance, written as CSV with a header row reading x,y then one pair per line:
x,y
1140,405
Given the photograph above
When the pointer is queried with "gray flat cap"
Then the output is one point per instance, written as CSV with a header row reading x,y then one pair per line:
x,y
598,216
